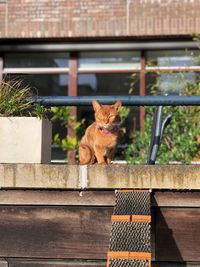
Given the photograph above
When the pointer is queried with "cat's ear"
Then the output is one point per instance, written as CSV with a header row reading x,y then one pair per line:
x,y
117,105
96,105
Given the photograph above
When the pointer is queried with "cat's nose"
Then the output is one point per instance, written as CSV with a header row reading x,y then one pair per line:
x,y
106,125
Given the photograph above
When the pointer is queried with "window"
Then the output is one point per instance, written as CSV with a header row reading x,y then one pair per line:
x,y
175,69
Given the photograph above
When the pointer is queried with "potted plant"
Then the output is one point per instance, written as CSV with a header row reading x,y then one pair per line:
x,y
25,134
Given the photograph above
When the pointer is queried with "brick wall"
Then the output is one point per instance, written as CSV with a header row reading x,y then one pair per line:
x,y
96,18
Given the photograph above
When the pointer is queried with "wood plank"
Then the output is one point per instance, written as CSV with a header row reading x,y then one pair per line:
x,y
93,198
41,197
55,232
54,263
177,234
176,198
85,263
83,232
176,264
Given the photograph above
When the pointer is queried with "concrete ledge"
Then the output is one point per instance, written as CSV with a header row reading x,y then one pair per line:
x,y
99,177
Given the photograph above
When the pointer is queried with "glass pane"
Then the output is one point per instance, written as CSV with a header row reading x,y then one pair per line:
x,y
173,58
48,84
108,84
169,82
34,60
112,60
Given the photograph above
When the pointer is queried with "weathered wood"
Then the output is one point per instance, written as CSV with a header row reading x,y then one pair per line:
x,y
56,232
176,198
177,235
84,232
93,198
69,263
54,263
71,198
175,264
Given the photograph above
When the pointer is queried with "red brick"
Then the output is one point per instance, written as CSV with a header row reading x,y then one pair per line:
x,y
93,18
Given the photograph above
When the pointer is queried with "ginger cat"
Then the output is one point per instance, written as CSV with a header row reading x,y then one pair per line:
x,y
101,137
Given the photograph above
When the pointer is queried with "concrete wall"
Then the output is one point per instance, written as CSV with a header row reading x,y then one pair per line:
x,y
102,177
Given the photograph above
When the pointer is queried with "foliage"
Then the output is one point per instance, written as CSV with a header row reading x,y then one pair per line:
x,y
179,142
15,100
123,113
63,115
39,111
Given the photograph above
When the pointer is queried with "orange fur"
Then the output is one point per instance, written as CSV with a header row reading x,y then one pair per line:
x,y
100,139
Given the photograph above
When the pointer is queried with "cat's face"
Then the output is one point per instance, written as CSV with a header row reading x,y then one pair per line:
x,y
107,116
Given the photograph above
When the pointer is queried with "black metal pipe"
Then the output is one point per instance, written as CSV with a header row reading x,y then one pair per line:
x,y
156,135
126,100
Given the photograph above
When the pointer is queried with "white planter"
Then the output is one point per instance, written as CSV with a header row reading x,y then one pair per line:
x,y
25,140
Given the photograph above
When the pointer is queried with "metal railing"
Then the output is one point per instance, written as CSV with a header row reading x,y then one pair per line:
x,y
126,100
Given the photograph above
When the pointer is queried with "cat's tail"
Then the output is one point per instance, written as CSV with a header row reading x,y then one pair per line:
x,y
86,155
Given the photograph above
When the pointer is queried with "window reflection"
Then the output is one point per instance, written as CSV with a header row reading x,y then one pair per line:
x,y
173,58
108,84
36,60
162,83
109,60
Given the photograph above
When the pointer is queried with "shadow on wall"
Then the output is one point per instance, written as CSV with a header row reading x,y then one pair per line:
x,y
165,251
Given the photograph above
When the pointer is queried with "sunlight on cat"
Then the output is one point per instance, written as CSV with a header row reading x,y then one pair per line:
x,y
100,140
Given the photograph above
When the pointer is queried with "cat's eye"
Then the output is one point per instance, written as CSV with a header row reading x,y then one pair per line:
x,y
111,116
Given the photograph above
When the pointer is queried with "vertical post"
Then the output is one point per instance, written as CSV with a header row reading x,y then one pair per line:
x,y
72,91
142,88
1,68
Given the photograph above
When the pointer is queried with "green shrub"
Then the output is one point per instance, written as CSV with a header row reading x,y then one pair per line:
x,y
16,100
63,116
179,142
